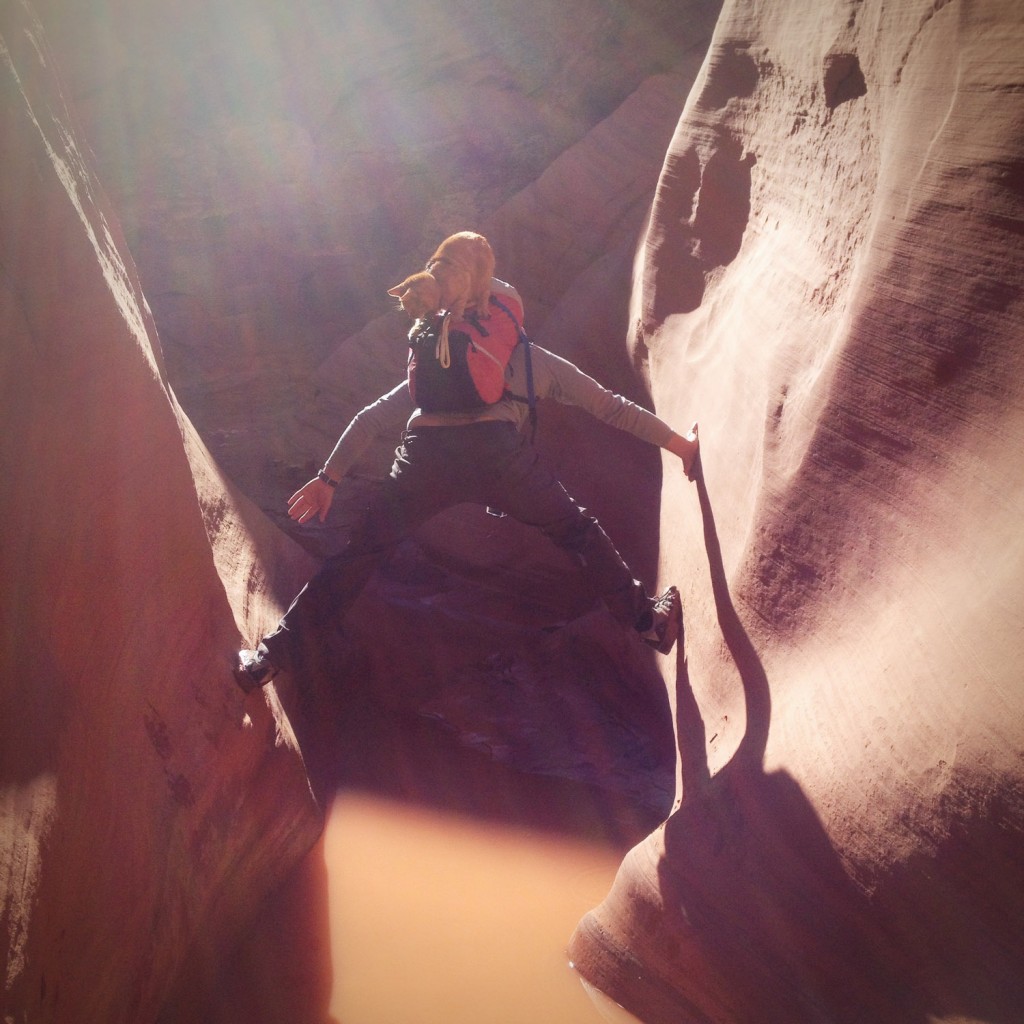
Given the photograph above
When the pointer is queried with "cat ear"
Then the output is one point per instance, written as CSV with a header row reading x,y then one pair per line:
x,y
397,290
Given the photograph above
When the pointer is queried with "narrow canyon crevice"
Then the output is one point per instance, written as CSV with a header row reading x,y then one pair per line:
x,y
798,224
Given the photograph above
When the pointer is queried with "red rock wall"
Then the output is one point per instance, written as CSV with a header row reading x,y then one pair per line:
x,y
832,283
144,807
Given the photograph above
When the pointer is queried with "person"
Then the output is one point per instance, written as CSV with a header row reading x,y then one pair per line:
x,y
483,457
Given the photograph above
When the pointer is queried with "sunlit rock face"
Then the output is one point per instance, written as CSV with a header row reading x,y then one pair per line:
x,y
832,283
144,805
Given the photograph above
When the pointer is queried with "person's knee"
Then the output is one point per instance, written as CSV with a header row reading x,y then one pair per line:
x,y
576,534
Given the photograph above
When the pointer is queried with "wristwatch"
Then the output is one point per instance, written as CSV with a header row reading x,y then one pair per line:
x,y
326,479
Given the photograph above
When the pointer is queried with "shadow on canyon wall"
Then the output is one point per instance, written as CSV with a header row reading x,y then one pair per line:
x,y
281,971
751,874
749,914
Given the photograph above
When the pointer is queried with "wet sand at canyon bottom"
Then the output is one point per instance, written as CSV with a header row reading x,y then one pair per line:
x,y
435,919
444,890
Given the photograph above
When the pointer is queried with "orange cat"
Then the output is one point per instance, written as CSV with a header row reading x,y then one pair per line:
x,y
458,275
463,266
419,294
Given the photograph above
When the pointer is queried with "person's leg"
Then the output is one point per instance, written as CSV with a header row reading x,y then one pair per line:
x,y
312,622
410,495
526,489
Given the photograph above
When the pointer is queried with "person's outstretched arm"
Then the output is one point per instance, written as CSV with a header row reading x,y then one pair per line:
x,y
557,378
387,415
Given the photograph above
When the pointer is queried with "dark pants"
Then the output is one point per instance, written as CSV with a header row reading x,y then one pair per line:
x,y
435,468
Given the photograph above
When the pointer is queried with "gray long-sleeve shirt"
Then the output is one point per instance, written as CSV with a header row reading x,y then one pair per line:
x,y
553,377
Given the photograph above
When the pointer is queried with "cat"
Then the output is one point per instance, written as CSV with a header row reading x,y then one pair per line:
x,y
457,276
463,266
419,295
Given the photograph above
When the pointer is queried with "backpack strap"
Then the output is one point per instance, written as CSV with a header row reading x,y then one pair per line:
x,y
531,396
443,350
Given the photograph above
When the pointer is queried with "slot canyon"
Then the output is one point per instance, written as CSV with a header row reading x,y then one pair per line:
x,y
799,223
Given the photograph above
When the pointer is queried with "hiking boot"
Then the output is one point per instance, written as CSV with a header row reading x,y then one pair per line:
x,y
255,669
666,622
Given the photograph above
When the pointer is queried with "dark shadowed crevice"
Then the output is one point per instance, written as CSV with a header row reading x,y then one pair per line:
x,y
705,211
723,205
844,80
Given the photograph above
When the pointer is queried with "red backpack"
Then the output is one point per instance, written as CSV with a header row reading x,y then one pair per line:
x,y
460,367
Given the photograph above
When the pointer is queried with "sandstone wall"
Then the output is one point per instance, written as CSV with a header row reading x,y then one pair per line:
x,y
144,809
831,283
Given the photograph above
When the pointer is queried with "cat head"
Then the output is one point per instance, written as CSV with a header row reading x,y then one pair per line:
x,y
418,295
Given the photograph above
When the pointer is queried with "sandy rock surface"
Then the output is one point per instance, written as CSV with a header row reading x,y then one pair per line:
x,y
137,827
831,282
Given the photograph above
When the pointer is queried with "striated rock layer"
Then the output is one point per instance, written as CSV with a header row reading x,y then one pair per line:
x,y
832,281
144,809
